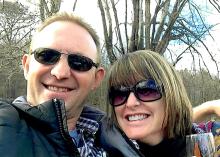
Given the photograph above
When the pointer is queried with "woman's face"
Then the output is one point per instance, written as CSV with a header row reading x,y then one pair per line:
x,y
142,121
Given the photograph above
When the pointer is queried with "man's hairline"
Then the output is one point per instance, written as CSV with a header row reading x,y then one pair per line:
x,y
40,29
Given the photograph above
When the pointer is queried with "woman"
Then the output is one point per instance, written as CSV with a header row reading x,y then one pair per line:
x,y
150,104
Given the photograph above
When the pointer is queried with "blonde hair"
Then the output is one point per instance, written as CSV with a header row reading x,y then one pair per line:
x,y
145,64
68,17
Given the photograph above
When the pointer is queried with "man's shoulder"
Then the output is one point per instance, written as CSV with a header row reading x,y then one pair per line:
x,y
8,114
6,100
5,103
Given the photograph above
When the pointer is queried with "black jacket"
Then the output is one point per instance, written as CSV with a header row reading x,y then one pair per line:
x,y
41,131
115,142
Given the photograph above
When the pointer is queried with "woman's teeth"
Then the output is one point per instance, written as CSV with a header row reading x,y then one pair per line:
x,y
137,117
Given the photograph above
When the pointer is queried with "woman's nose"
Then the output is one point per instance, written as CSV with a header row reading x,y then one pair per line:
x,y
132,100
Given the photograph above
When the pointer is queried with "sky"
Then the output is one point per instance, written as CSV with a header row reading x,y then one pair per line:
x,y
88,9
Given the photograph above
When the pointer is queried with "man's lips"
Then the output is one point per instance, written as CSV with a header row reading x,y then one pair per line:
x,y
57,89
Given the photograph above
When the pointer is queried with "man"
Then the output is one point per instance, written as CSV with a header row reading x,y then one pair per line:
x,y
61,69
51,120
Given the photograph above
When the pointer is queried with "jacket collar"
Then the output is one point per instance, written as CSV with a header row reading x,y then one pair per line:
x,y
43,116
46,113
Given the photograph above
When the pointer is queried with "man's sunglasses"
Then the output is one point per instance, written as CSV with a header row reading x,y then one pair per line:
x,y
146,91
49,56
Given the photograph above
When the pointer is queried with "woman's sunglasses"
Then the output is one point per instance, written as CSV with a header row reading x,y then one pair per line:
x,y
49,56
145,91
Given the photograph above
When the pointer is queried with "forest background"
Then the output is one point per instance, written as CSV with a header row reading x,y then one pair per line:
x,y
183,31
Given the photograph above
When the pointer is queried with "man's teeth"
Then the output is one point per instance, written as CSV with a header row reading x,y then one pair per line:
x,y
137,117
56,89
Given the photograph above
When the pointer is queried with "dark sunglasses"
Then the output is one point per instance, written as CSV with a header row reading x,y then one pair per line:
x,y
49,56
145,91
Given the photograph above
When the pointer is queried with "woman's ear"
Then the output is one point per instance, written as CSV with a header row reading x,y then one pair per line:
x,y
99,76
25,65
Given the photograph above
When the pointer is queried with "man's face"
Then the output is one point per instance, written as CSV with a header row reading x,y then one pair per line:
x,y
45,82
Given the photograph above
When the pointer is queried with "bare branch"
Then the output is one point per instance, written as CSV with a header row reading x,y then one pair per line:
x,y
126,23
135,26
147,24
74,5
161,47
164,6
215,4
107,33
117,27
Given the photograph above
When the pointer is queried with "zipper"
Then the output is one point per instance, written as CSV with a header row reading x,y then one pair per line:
x,y
73,150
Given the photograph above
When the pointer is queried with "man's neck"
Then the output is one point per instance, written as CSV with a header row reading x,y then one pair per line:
x,y
72,117
71,123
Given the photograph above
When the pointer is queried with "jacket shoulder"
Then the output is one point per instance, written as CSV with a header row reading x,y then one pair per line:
x,y
8,114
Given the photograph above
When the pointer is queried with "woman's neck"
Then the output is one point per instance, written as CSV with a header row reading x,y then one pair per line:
x,y
153,140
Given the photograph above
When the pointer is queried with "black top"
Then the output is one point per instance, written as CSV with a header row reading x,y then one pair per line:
x,y
168,148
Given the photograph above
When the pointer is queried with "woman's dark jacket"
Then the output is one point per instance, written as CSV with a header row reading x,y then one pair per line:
x,y
111,136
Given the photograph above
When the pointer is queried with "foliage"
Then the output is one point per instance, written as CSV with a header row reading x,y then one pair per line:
x,y
16,25
200,86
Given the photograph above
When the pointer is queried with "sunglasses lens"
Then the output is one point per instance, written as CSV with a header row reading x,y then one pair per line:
x,y
79,63
118,96
46,56
145,91
76,62
148,91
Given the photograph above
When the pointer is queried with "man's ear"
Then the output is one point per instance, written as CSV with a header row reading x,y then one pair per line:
x,y
25,64
99,76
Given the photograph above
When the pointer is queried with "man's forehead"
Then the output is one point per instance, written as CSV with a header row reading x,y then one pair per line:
x,y
65,36
58,27
61,30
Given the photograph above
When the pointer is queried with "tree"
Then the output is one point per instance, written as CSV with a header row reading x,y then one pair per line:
x,y
16,26
170,23
48,8
200,86
215,4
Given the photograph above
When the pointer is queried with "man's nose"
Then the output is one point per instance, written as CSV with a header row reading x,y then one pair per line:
x,y
61,69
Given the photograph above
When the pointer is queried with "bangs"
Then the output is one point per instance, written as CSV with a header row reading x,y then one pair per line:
x,y
127,71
